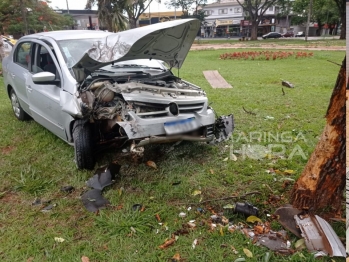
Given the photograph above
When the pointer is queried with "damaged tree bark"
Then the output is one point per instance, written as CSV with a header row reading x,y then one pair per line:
x,y
320,186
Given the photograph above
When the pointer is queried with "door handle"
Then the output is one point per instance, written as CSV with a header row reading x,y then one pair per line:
x,y
29,89
12,75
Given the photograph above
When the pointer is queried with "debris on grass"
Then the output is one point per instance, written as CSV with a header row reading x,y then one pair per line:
x,y
67,189
59,239
137,207
176,257
48,208
196,192
287,84
93,200
319,235
182,214
195,242
104,176
269,118
85,259
38,201
151,164
247,252
167,243
246,209
300,244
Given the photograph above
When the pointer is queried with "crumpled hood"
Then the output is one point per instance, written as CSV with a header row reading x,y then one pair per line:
x,y
167,41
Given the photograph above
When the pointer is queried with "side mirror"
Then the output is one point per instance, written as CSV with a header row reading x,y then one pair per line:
x,y
45,78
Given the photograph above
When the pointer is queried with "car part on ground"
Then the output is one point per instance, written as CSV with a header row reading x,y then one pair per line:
x,y
319,235
223,128
104,176
93,200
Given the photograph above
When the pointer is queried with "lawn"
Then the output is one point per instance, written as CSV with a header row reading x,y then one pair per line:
x,y
36,164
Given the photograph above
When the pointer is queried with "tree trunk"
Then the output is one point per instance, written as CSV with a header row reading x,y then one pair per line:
x,y
320,186
254,28
132,22
343,17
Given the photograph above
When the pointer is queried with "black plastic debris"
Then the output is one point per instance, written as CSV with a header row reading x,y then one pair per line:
x,y
137,207
38,201
104,176
67,189
224,127
48,208
245,209
93,200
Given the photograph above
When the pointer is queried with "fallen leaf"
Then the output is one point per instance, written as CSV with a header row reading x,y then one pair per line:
x,y
167,243
157,216
300,244
247,252
225,159
221,231
176,257
258,229
151,164
195,242
30,259
253,219
59,239
196,192
85,259
289,172
233,157
212,171
241,259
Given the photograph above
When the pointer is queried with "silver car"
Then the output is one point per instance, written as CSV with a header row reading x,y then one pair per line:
x,y
95,89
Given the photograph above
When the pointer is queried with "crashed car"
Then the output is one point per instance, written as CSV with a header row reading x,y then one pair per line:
x,y
95,89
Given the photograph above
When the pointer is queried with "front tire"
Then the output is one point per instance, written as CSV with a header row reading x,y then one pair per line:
x,y
83,145
16,107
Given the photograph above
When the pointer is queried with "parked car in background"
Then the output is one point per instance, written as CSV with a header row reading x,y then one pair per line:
x,y
288,34
272,35
300,34
96,89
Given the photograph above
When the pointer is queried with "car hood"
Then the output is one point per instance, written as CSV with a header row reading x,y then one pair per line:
x,y
167,41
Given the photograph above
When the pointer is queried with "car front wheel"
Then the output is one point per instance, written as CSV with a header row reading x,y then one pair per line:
x,y
16,107
83,145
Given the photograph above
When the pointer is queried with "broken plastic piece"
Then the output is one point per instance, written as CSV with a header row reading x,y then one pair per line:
x,y
286,215
93,200
246,209
104,176
137,207
48,208
319,235
67,189
224,127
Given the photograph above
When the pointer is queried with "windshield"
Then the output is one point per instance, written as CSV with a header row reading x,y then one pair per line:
x,y
74,49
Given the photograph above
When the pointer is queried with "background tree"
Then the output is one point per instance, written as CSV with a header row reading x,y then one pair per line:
x,y
184,5
323,12
321,185
255,10
341,9
111,13
37,15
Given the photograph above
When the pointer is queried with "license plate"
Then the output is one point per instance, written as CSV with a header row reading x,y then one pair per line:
x,y
180,126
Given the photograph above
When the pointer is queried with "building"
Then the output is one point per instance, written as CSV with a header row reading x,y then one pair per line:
x,y
158,17
227,19
84,19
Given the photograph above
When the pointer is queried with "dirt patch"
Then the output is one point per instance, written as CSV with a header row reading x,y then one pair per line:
x,y
264,46
7,150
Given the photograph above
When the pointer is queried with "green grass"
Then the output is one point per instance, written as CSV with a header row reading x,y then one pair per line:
x,y
35,163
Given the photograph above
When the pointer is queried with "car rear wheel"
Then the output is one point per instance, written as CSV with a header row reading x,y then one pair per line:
x,y
16,107
83,145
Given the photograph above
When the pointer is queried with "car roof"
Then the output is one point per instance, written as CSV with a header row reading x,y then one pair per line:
x,y
69,34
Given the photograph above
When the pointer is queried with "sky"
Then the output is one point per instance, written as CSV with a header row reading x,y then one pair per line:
x,y
80,4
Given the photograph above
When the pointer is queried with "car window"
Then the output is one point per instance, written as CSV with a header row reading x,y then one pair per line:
x,y
22,54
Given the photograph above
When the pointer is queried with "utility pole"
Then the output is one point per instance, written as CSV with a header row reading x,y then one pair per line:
x,y
67,6
308,20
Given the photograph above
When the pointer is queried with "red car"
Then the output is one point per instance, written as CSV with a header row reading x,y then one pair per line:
x,y
288,34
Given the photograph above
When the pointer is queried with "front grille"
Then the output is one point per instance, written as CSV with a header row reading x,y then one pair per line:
x,y
190,108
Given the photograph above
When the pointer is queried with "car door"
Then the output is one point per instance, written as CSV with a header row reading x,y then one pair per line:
x,y
45,98
18,72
